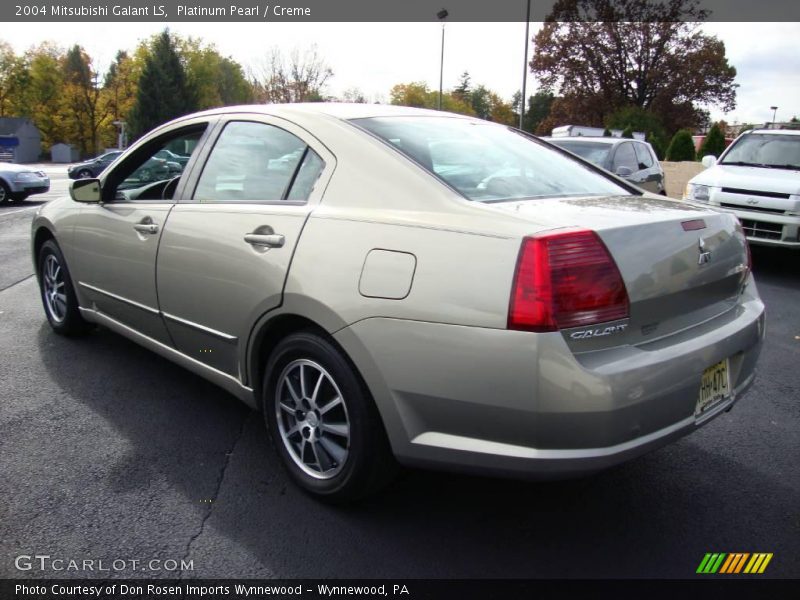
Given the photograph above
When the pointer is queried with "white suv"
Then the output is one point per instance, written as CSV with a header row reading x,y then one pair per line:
x,y
758,179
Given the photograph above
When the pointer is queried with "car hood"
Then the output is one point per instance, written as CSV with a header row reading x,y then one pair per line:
x,y
782,181
14,168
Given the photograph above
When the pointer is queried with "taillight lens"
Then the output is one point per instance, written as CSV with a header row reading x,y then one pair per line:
x,y
566,279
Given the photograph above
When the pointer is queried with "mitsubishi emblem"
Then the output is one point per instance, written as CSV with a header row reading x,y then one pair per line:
x,y
705,255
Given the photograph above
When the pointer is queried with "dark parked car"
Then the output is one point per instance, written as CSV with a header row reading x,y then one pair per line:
x,y
170,156
633,160
92,167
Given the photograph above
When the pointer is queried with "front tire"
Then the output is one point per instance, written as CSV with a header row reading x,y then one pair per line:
x,y
5,192
58,295
323,422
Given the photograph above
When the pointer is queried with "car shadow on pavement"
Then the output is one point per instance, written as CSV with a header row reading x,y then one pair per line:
x,y
240,516
16,205
776,266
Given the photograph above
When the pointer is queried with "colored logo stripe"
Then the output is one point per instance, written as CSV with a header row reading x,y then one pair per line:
x,y
734,562
710,563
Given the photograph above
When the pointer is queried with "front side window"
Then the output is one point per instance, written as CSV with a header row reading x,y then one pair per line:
x,y
594,152
152,172
256,162
625,156
765,150
643,156
487,162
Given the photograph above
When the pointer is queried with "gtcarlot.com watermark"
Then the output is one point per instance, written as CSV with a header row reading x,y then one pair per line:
x,y
44,563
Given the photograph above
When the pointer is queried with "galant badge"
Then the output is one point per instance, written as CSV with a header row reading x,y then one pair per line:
x,y
705,255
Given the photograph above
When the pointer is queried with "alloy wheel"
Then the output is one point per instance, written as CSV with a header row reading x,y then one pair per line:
x,y
55,296
312,419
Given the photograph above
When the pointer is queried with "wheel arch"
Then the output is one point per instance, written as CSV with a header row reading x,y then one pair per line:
x,y
266,336
41,235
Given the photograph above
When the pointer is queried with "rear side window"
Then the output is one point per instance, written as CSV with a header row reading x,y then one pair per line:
x,y
486,162
643,156
256,162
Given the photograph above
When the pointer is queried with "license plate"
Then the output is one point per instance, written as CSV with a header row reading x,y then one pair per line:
x,y
714,387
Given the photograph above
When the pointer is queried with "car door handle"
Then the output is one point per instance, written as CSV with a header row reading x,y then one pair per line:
x,y
150,228
271,240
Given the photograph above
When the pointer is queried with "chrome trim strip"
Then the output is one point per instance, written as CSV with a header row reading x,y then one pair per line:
x,y
223,380
214,332
448,441
120,298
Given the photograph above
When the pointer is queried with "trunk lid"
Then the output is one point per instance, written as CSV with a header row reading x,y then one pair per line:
x,y
682,264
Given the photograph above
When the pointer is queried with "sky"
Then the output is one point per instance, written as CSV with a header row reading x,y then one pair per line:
x,y
375,56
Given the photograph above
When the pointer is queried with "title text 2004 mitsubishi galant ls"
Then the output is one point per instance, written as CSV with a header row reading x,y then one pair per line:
x,y
397,285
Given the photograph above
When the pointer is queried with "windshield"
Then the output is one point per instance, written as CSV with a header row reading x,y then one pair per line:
x,y
765,150
488,163
594,152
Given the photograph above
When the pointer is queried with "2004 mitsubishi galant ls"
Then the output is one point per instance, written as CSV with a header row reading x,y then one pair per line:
x,y
397,285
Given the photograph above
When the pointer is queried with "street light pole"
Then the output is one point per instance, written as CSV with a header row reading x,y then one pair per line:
x,y
441,15
774,110
525,65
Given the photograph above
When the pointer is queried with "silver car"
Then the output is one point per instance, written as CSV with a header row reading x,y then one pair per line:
x,y
17,182
383,301
634,160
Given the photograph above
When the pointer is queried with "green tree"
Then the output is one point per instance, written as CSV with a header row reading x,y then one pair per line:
x,y
602,56
538,109
13,80
656,140
41,99
463,89
418,94
628,132
164,93
85,106
681,147
216,80
120,86
606,132
714,143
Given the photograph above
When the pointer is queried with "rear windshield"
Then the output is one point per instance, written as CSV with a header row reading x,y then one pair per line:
x,y
594,152
765,150
486,162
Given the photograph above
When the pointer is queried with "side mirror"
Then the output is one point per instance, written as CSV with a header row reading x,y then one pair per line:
x,y
85,190
623,171
709,161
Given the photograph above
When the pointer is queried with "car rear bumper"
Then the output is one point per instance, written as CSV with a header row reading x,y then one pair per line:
x,y
522,404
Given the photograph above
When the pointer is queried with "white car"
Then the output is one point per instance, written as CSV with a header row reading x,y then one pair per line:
x,y
758,179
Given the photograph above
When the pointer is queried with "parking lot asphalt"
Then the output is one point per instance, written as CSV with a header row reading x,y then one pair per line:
x,y
108,451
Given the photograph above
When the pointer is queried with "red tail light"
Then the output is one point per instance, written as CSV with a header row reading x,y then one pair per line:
x,y
565,279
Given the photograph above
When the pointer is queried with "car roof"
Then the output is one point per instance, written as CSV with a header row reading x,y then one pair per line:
x,y
586,138
774,131
340,110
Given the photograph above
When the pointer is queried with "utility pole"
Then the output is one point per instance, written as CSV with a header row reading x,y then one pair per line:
x,y
441,15
522,100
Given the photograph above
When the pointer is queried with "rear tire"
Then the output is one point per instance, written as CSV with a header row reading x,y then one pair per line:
x,y
57,293
323,422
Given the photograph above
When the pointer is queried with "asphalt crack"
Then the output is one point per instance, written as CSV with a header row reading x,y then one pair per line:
x,y
17,282
218,487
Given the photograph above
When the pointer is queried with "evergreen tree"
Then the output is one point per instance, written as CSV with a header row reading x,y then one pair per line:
x,y
628,132
606,133
714,143
681,147
164,92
